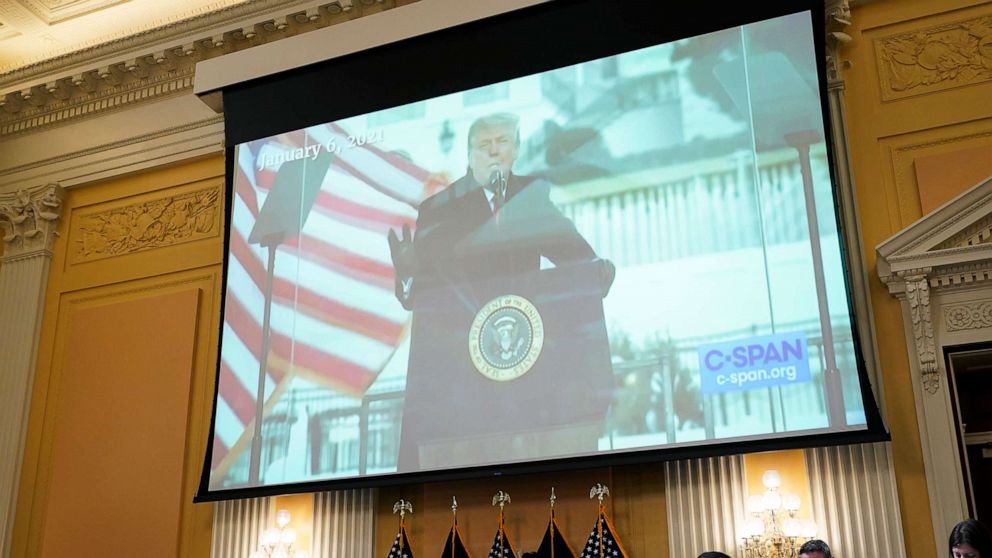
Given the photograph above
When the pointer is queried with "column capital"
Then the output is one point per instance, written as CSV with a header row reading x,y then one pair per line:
x,y
838,19
28,220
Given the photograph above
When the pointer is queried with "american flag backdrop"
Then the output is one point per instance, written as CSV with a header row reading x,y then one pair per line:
x,y
401,545
335,319
501,547
553,544
454,545
603,541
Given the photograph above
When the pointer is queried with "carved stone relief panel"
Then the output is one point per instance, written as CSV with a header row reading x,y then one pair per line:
x,y
969,315
935,58
151,223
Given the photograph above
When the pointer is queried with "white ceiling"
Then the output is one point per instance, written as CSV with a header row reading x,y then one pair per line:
x,y
32,31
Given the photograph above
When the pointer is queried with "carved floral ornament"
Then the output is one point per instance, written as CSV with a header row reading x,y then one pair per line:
x,y
917,286
151,224
28,219
970,315
937,58
918,297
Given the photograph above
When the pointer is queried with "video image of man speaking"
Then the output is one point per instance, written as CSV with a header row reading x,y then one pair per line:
x,y
491,331
631,253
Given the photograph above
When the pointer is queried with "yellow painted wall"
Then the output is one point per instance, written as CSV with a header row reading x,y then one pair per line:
x,y
123,390
944,176
912,91
300,508
791,467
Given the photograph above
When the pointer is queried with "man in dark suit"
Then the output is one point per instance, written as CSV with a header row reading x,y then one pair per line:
x,y
483,237
488,223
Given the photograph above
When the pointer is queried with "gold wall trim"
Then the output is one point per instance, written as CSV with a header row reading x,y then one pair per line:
x,y
935,58
145,225
959,136
39,463
218,119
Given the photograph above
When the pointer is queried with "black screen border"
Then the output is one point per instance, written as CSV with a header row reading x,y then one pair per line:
x,y
515,44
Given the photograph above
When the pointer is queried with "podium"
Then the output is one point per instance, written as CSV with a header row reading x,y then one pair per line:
x,y
507,369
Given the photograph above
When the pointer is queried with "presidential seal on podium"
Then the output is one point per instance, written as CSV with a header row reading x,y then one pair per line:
x,y
506,338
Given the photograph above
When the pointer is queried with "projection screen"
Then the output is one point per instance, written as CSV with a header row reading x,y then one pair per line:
x,y
631,255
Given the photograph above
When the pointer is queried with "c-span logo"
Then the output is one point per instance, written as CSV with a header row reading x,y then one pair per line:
x,y
755,362
506,338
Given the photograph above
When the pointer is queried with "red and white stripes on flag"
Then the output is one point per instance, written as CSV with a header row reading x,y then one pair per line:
x,y
335,318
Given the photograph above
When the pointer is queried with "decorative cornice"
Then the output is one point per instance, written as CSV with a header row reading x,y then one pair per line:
x,y
161,73
156,223
936,58
39,253
952,221
924,246
977,233
57,110
951,276
163,31
970,315
923,256
41,163
897,281
918,297
28,219
945,276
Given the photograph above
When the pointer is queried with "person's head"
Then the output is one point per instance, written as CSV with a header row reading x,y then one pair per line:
x,y
814,549
493,142
713,554
970,539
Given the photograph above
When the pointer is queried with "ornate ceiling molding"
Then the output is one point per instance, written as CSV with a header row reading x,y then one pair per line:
x,y
159,73
193,22
53,11
28,219
92,93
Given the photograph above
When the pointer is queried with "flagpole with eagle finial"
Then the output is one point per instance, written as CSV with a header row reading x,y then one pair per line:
x,y
600,491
